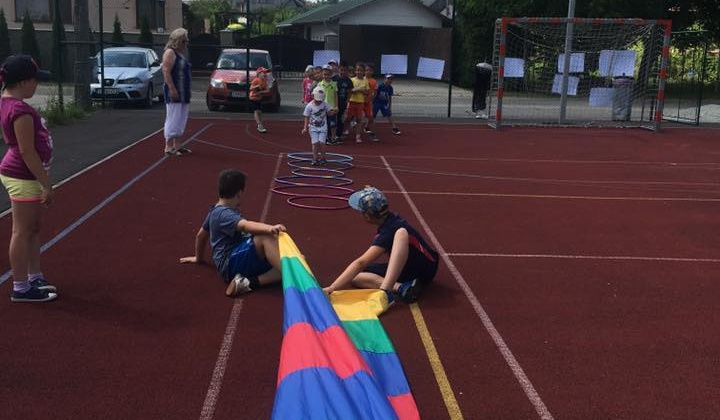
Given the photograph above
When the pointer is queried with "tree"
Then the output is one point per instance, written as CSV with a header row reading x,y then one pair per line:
x,y
211,10
58,30
5,49
29,40
117,36
146,37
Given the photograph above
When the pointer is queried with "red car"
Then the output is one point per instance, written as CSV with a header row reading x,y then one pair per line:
x,y
228,81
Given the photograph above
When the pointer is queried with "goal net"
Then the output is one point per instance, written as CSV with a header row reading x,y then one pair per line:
x,y
615,74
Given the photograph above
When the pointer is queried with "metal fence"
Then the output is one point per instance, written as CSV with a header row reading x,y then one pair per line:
x,y
688,70
414,96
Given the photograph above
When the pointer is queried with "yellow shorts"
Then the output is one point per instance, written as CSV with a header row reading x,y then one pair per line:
x,y
22,189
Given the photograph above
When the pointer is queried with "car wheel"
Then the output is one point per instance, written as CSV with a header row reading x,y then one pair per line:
x,y
210,105
149,98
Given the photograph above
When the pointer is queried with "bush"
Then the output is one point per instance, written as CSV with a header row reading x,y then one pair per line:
x,y
55,115
117,36
146,37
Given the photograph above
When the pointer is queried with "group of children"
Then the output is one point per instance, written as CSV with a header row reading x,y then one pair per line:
x,y
244,252
354,99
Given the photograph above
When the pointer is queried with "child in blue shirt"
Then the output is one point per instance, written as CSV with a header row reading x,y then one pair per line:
x,y
383,101
245,252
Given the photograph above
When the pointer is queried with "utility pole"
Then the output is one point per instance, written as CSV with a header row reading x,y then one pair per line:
x,y
83,40
566,63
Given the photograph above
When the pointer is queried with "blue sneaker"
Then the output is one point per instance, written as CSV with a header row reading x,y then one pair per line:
x,y
43,284
33,295
410,291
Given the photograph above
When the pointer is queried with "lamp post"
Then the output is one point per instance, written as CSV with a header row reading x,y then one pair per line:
x,y
58,55
102,52
247,51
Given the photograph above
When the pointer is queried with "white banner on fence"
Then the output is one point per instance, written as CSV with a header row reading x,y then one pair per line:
x,y
601,97
617,63
430,68
572,84
577,62
393,64
322,57
514,67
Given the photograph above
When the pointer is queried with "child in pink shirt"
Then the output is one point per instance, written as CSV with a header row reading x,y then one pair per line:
x,y
24,174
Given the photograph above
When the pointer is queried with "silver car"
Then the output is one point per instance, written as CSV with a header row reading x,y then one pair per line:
x,y
130,74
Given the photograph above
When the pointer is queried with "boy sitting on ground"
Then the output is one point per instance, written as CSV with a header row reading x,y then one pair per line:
x,y
245,253
411,265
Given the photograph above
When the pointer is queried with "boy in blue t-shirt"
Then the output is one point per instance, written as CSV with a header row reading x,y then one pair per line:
x,y
411,262
383,101
245,253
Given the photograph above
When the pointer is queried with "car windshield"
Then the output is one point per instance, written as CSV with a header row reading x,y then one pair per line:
x,y
124,59
230,61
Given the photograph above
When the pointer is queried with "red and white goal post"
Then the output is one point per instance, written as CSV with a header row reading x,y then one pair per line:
x,y
615,76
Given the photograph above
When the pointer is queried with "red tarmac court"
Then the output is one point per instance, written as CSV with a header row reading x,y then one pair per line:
x,y
579,276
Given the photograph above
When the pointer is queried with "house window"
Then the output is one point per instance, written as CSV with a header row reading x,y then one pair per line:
x,y
154,10
42,10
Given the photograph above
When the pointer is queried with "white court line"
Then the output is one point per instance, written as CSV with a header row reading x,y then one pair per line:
x,y
102,204
563,197
213,392
583,257
514,365
674,165
101,161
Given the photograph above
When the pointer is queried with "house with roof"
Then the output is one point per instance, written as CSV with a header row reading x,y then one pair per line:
x,y
364,30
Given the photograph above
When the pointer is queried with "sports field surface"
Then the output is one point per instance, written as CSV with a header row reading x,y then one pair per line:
x,y
578,278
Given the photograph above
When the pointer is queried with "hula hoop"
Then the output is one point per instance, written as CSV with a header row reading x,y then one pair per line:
x,y
343,191
332,178
292,202
308,157
297,164
332,173
284,180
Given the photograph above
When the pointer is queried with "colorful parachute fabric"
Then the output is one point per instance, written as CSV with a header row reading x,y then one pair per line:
x,y
322,374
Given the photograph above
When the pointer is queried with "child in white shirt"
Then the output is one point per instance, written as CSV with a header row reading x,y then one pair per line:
x,y
315,122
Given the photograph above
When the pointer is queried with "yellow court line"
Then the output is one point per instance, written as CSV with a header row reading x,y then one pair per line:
x,y
445,389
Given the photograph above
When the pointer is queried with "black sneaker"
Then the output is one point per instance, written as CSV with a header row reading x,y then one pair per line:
x,y
410,291
390,297
322,162
315,163
366,131
43,284
396,131
33,295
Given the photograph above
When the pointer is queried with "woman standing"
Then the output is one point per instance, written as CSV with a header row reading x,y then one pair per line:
x,y
176,73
